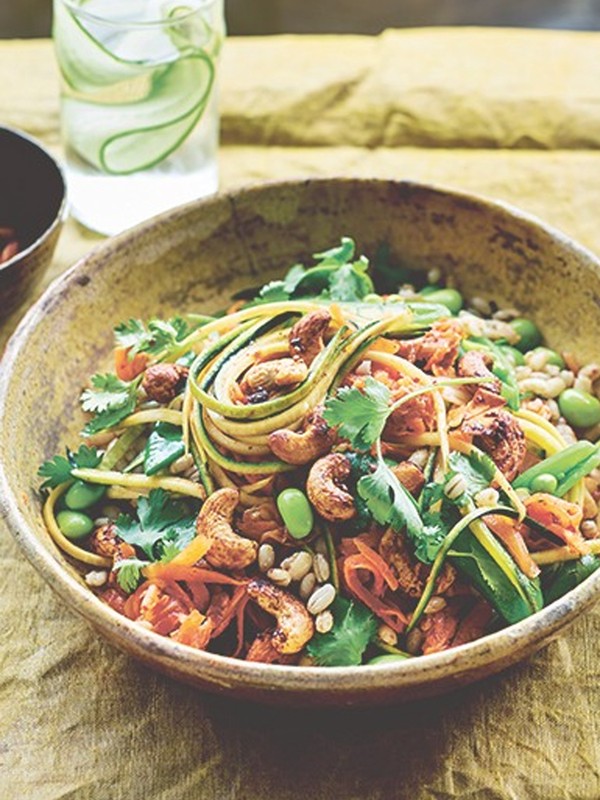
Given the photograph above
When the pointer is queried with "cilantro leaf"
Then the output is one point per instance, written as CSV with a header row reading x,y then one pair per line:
x,y
110,399
168,551
57,470
281,290
338,255
350,283
293,277
344,645
273,292
359,416
335,277
390,503
159,519
478,470
165,334
131,334
155,338
436,523
109,392
129,573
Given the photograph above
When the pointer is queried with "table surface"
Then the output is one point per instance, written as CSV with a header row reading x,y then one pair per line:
x,y
510,114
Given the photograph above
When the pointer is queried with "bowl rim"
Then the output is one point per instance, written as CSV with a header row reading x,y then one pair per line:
x,y
63,209
215,670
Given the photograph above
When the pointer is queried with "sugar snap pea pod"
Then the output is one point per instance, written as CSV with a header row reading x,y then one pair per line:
x,y
568,466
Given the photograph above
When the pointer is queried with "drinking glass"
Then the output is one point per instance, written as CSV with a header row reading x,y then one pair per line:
x,y
139,109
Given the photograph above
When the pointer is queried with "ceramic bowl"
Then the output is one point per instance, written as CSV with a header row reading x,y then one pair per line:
x,y
194,258
33,202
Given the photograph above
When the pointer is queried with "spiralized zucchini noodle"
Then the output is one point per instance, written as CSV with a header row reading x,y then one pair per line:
x,y
351,466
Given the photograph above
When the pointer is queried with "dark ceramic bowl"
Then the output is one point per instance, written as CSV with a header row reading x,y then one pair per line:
x,y
194,258
33,202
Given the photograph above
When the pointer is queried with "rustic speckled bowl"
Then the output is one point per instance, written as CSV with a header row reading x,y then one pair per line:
x,y
193,258
33,201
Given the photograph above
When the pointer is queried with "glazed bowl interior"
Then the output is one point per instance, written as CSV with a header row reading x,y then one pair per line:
x,y
193,259
33,202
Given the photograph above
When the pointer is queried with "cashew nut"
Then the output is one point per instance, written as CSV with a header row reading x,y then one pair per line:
x,y
326,489
228,550
300,448
295,626
306,336
278,373
262,650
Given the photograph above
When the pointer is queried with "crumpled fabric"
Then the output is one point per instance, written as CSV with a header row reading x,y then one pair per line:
x,y
505,113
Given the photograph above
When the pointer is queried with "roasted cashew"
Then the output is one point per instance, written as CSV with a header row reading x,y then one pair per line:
x,y
228,550
326,489
306,336
263,650
278,373
295,625
300,448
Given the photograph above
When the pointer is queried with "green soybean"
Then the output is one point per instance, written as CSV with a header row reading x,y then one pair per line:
x,y
544,483
74,524
529,334
580,409
513,355
447,297
296,512
552,357
430,289
83,495
388,658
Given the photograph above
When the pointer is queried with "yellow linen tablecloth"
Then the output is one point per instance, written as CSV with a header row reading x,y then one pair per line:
x,y
510,114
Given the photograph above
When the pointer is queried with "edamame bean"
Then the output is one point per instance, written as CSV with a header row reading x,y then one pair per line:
x,y
544,483
372,298
447,297
83,495
513,355
388,658
296,512
529,334
580,409
74,524
552,357
430,289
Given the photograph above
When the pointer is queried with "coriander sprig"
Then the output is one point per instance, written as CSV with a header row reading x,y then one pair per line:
x,y
360,416
110,399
